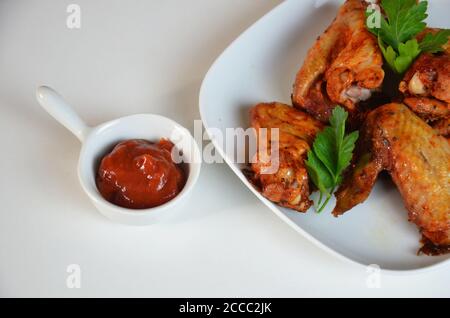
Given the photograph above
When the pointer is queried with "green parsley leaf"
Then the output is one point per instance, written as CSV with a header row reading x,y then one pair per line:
x,y
389,53
330,155
337,121
408,52
401,60
346,151
433,43
325,150
403,21
318,173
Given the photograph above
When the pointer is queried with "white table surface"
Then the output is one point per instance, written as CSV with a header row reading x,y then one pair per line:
x,y
136,57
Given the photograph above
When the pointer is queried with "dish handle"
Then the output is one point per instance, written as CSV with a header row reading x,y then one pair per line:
x,y
56,106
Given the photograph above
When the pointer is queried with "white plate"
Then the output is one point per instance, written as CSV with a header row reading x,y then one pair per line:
x,y
261,66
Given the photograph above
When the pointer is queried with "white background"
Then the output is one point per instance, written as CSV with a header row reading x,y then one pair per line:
x,y
136,57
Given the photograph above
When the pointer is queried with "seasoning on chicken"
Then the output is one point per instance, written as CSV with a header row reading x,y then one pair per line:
x,y
429,109
288,186
418,159
343,67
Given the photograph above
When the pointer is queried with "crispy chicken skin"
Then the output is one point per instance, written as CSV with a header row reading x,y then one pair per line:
x,y
418,159
429,109
426,86
343,67
288,186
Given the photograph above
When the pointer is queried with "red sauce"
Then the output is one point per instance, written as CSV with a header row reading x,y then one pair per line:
x,y
140,174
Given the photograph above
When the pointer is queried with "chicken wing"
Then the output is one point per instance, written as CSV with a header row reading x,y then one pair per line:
x,y
426,86
418,159
288,186
343,67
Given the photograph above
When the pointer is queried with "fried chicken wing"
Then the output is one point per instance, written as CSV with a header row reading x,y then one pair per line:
x,y
429,77
426,85
418,159
288,186
343,67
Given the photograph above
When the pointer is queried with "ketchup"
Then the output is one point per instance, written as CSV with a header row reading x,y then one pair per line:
x,y
139,174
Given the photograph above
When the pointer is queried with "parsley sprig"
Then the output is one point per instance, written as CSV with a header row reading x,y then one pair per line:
x,y
403,21
330,156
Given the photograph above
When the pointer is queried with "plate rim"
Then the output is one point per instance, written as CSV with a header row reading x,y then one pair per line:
x,y
267,203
